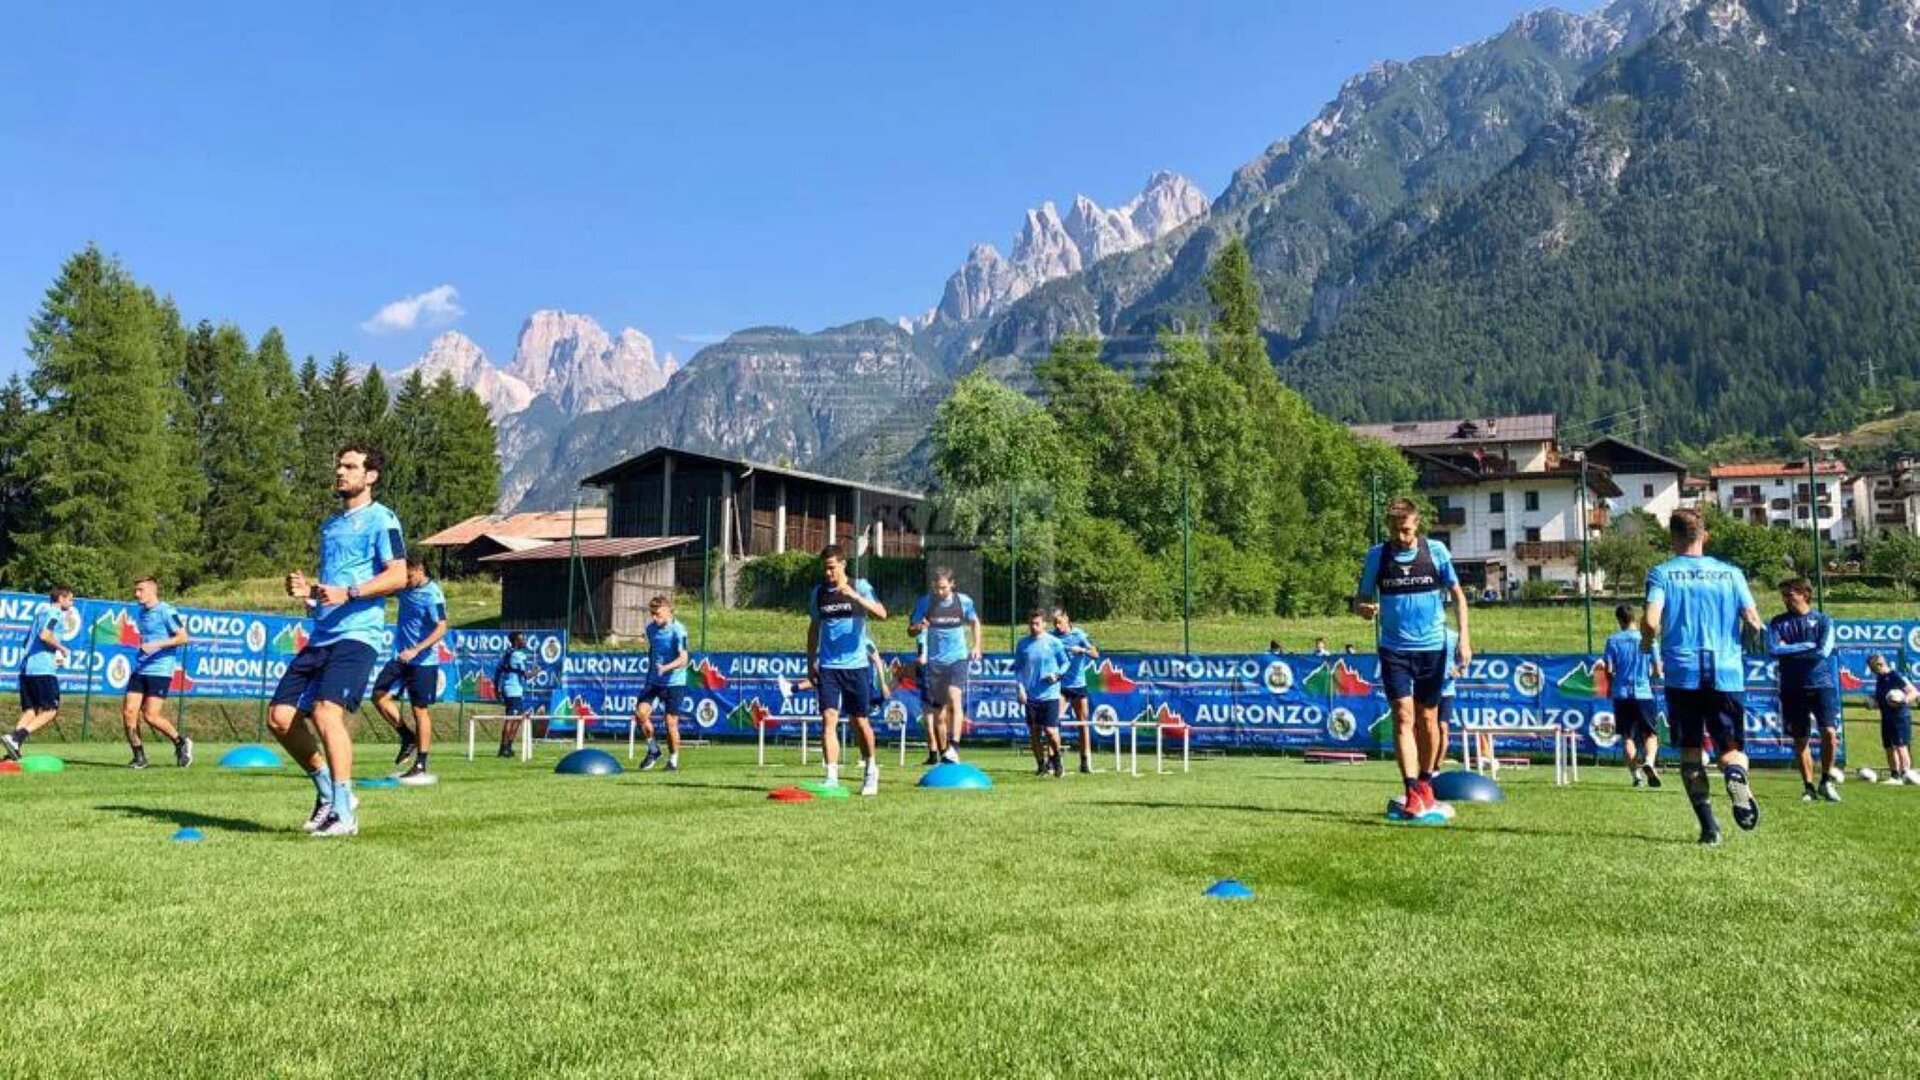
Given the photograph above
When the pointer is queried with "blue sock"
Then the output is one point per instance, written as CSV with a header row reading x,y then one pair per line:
x,y
343,799
322,782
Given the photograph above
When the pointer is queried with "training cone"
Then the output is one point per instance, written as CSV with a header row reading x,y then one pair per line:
x,y
1229,889
251,756
588,762
188,834
377,782
1461,786
9,766
957,775
42,763
825,790
790,794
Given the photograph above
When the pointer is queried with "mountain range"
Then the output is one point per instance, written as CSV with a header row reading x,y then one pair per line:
x,y
1694,213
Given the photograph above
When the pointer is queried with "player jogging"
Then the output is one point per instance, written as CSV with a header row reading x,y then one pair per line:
x,y
415,669
363,559
1800,640
1696,608
1081,652
1630,672
838,609
510,678
667,661
1893,692
1039,663
40,662
952,629
162,631
1405,583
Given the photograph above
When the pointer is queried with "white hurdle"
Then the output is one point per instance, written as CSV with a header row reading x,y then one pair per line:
x,y
1566,744
526,730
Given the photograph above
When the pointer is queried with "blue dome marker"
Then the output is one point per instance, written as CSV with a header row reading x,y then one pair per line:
x,y
1229,889
589,762
251,756
956,776
1459,785
189,833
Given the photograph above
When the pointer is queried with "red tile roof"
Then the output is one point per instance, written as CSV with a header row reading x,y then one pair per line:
x,y
1534,427
617,547
1763,469
540,525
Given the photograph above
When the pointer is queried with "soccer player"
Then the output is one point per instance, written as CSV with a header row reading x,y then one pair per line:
x,y
162,631
1800,640
1081,652
952,627
40,664
838,609
510,678
363,560
415,669
1405,584
1896,719
1039,663
1696,609
1630,686
667,660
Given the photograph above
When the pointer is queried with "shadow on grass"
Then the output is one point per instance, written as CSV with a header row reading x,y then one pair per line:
x,y
1380,821
188,818
685,785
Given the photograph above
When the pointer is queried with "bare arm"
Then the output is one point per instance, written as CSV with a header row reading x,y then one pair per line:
x,y
680,660
1464,652
977,650
813,649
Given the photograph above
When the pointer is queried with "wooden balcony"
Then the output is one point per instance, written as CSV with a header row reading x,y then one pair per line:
x,y
1546,551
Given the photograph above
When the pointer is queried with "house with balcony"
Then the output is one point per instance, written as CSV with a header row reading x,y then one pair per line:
x,y
1887,500
1783,494
1509,503
1648,481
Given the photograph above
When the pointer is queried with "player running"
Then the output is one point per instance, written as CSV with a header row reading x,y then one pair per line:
x,y
1039,664
363,559
40,662
838,609
952,629
1893,692
1405,583
1081,652
1800,640
510,678
1630,674
415,669
667,660
1696,609
162,632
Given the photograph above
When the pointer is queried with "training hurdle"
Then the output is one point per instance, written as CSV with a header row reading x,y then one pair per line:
x,y
526,730
1566,744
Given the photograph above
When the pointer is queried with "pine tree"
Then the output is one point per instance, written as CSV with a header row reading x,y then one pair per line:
x,y
326,403
249,518
17,423
464,463
369,407
101,457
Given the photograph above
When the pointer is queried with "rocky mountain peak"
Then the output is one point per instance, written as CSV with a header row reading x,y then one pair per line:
x,y
571,359
455,354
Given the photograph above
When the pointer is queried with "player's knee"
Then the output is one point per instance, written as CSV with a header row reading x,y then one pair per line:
x,y
280,720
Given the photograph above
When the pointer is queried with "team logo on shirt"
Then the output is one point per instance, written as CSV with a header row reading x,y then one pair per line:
x,y
1279,678
706,714
550,650
256,636
1528,678
1106,720
1341,724
119,671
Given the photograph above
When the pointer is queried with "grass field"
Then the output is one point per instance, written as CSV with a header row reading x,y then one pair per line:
x,y
512,922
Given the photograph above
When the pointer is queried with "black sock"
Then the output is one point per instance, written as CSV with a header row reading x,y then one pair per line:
x,y
1426,777
420,761
1411,782
1703,810
20,735
406,735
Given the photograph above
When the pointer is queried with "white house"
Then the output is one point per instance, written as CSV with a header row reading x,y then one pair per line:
x,y
1776,493
1508,503
1647,481
1888,499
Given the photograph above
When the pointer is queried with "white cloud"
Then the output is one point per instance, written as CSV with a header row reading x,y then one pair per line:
x,y
435,307
698,338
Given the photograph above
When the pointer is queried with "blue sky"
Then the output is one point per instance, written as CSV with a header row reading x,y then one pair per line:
x,y
688,169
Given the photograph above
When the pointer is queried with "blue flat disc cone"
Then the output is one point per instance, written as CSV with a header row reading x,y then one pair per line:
x,y
589,762
189,833
956,775
251,756
377,782
1229,889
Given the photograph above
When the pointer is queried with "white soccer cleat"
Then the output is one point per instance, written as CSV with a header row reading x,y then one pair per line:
x,y
338,826
870,785
419,779
1867,775
1912,778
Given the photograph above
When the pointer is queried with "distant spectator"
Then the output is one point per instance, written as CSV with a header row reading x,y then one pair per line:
x,y
1273,647
1320,646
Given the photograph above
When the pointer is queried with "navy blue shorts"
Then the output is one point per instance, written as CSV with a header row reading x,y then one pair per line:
x,y
952,674
1446,714
153,686
920,680
1071,694
664,697
1896,730
846,690
1416,675
512,705
39,693
1633,718
1045,714
1801,711
1695,715
421,682
336,673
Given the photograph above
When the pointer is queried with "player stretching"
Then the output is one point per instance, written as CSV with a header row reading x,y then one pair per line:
x,y
415,668
1800,640
667,661
952,629
1405,584
363,559
40,670
838,609
1696,607
1630,671
1073,685
1893,692
510,678
162,630
1039,662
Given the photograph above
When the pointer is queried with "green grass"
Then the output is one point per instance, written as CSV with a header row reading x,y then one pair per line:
x,y
511,922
